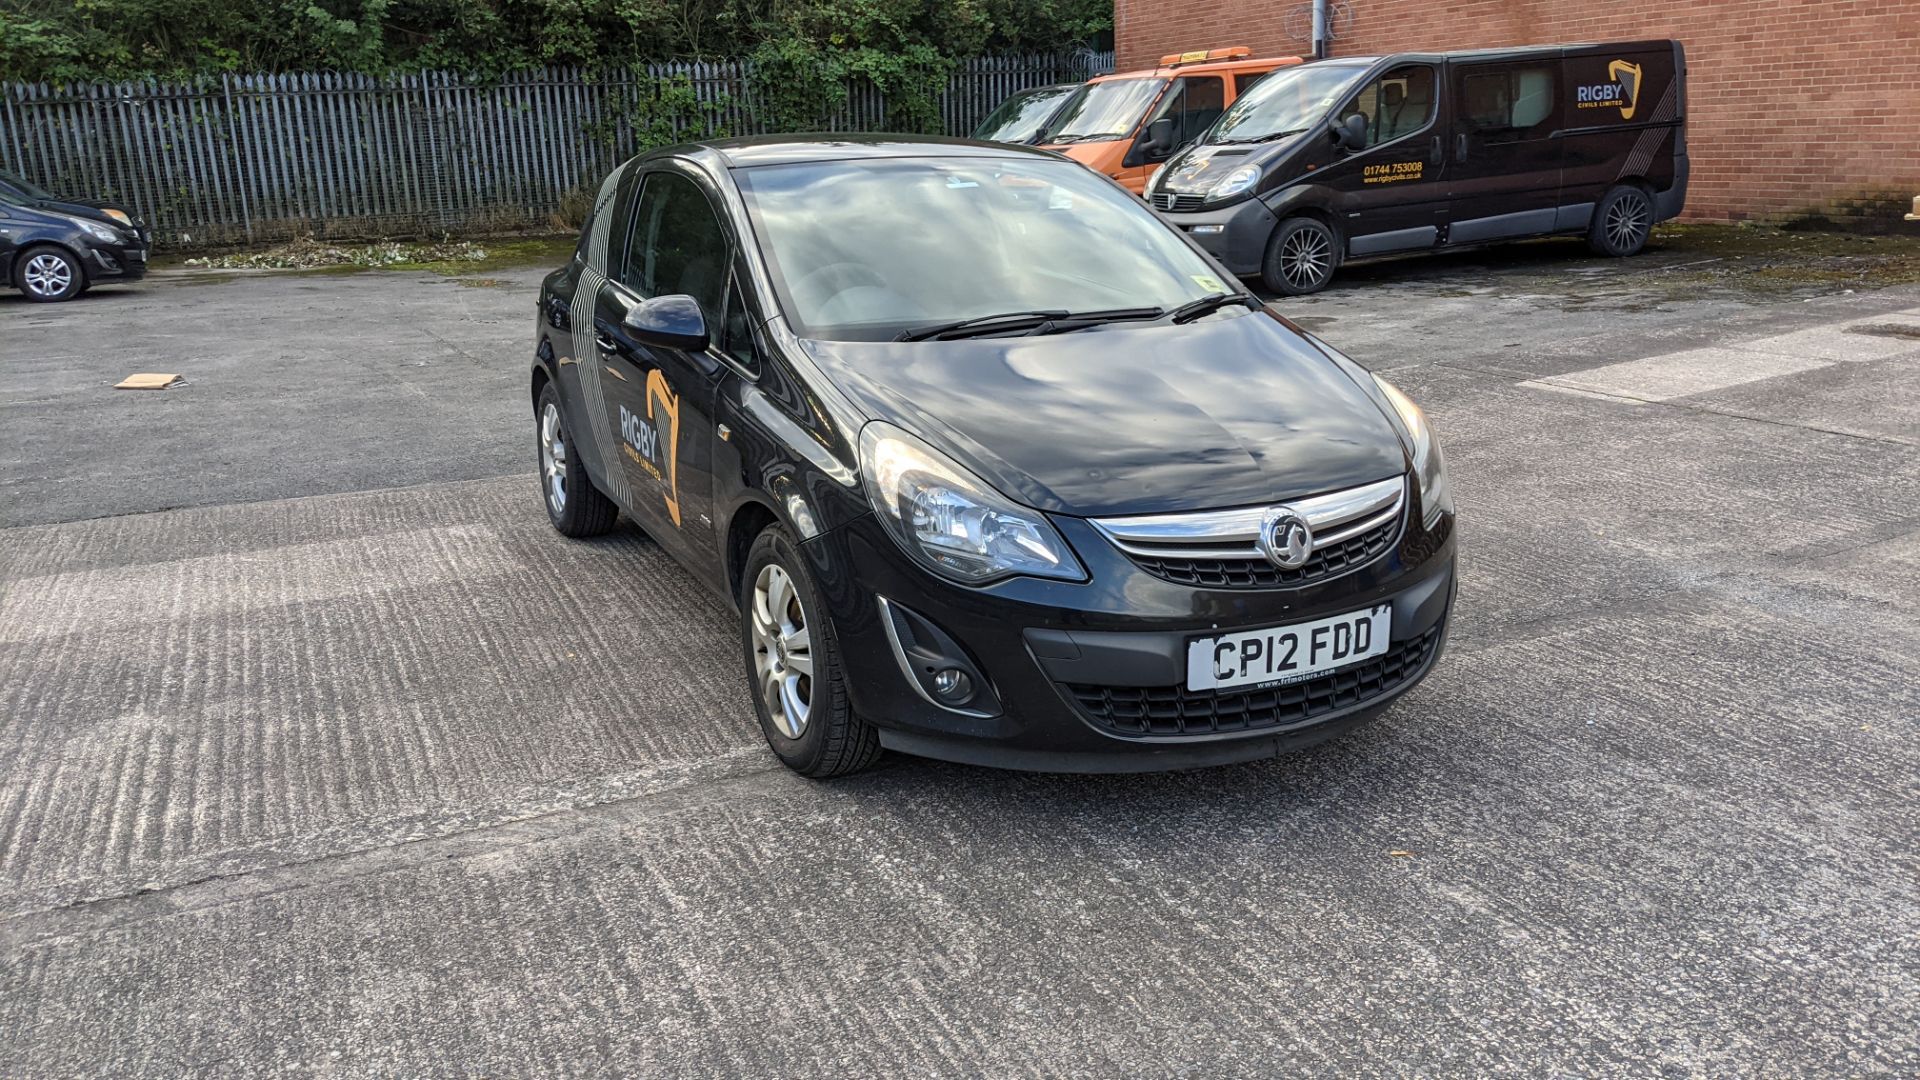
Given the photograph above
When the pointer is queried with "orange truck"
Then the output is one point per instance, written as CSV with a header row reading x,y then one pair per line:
x,y
1127,123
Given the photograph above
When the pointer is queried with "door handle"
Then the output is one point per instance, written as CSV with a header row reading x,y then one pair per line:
x,y
1460,147
602,340
1439,152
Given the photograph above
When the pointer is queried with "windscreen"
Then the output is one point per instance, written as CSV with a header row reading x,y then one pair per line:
x,y
1018,119
862,250
1104,110
1289,100
33,191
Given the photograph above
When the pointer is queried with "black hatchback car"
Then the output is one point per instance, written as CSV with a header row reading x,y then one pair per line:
x,y
993,463
54,248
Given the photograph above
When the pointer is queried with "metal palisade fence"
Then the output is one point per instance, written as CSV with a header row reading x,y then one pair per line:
x,y
262,157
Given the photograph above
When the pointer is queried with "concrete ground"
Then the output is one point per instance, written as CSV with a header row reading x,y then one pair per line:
x,y
321,753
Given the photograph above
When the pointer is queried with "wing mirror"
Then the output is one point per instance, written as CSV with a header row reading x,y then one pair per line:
x,y
1351,133
668,322
1160,136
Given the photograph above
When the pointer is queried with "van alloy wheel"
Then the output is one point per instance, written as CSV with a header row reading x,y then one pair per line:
x,y
782,651
1306,258
1628,220
47,275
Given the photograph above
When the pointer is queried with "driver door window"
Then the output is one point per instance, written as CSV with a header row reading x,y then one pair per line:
x,y
1398,104
1193,103
678,245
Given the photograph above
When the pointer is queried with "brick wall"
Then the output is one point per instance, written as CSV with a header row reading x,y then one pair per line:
x,y
1795,105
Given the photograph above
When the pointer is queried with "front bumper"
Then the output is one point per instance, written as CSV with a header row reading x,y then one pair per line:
x,y
126,261
1048,648
1236,234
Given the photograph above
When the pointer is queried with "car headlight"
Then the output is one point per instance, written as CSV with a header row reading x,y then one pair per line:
x,y
1238,182
96,230
1429,468
119,216
952,523
1153,178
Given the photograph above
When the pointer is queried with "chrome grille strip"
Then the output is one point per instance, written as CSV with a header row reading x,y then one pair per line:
x,y
1230,534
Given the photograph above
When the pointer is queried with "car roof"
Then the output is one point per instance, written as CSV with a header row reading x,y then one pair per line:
x,y
746,152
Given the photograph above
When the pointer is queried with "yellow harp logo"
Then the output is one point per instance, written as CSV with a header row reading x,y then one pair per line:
x,y
663,409
1628,76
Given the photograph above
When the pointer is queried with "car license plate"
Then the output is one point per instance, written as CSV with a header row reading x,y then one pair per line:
x,y
1286,654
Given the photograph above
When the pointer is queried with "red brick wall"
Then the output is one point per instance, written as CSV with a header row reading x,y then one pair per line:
x,y
1794,105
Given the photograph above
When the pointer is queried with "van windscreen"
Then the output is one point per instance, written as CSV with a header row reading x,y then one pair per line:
x,y
1289,100
1104,110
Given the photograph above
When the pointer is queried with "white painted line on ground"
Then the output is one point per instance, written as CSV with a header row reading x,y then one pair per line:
x,y
1704,371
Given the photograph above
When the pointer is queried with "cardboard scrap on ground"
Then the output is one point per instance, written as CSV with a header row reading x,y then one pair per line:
x,y
148,380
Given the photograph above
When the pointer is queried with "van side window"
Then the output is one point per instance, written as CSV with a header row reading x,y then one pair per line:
x,y
1507,103
1194,103
1244,81
1397,104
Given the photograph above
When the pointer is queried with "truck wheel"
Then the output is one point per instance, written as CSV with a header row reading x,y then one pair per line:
x,y
1621,222
1301,257
48,275
574,505
793,665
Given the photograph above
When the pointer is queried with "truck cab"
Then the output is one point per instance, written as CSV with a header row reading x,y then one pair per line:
x,y
1126,124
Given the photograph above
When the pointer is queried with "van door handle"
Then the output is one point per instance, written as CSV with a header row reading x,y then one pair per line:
x,y
1460,147
1439,151
602,340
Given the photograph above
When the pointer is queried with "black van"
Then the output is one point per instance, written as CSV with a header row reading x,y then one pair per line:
x,y
1363,156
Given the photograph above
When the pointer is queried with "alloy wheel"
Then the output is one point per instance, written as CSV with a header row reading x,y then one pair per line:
x,y
47,275
782,650
553,457
1627,220
1306,258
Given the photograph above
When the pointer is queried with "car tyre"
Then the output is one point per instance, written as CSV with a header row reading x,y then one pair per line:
x,y
575,506
794,674
1301,257
48,275
1622,221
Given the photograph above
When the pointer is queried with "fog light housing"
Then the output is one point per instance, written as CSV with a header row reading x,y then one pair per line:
x,y
952,686
1208,230
939,670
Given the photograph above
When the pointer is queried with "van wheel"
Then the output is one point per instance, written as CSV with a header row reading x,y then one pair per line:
x,y
48,275
1301,257
793,665
574,505
1621,222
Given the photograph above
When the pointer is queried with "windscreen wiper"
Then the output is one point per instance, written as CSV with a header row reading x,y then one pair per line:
x,y
981,324
1027,322
1206,305
1259,138
1080,320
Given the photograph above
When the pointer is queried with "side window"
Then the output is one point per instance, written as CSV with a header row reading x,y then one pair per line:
x,y
736,331
678,245
1194,103
1244,81
1507,103
1397,104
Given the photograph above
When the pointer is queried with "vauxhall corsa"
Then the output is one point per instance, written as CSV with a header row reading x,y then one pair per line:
x,y
990,462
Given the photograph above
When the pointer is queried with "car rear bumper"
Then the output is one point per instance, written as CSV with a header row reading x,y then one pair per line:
x,y
1070,670
1236,235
